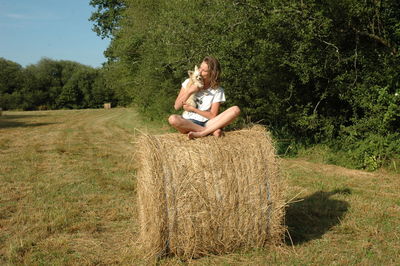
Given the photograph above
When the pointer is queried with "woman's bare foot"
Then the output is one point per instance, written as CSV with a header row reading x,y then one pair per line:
x,y
193,135
217,133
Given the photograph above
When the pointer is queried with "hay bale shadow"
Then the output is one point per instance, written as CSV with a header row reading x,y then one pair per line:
x,y
311,217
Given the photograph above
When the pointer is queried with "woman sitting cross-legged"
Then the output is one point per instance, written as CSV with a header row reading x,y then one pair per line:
x,y
204,119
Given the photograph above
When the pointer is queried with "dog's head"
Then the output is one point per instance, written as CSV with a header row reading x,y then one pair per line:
x,y
196,77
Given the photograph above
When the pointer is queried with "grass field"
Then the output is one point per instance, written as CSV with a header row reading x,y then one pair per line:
x,y
67,197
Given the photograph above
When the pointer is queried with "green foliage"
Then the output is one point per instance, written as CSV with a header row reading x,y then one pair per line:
x,y
51,84
106,17
314,71
368,153
10,81
10,76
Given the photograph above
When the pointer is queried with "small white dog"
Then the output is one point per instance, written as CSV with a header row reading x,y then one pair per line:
x,y
194,78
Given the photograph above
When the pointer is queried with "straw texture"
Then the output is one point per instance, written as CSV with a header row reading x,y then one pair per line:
x,y
208,195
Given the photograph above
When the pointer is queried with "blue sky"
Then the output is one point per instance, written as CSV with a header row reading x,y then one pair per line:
x,y
56,29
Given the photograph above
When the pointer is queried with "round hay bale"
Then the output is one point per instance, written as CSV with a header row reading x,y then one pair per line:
x,y
208,195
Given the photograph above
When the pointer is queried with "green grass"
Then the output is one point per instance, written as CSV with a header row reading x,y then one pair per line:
x,y
68,197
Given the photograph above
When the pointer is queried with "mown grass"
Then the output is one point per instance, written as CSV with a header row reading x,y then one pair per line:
x,y
67,186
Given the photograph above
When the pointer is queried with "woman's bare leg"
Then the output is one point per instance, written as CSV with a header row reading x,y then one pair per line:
x,y
217,123
183,125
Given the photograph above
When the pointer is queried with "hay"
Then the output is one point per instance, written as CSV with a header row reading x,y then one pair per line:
x,y
208,195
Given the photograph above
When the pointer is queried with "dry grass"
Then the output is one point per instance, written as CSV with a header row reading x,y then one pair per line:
x,y
209,195
67,186
68,197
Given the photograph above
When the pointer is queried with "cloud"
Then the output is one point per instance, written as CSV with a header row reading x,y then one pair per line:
x,y
18,16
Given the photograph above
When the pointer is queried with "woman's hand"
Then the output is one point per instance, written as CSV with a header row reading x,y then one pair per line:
x,y
188,107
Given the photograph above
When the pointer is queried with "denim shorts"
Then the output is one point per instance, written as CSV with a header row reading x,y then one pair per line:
x,y
197,122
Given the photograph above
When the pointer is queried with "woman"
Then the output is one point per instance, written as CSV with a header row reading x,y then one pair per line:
x,y
204,119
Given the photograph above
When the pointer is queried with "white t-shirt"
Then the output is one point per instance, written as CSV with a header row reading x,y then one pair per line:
x,y
204,99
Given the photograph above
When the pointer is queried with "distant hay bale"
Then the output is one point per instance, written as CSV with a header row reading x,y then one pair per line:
x,y
208,195
107,106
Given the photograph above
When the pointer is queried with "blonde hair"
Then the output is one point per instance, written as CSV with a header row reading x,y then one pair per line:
x,y
215,70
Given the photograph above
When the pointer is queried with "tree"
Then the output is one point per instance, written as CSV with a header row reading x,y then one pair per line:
x,y
107,16
10,76
102,93
315,71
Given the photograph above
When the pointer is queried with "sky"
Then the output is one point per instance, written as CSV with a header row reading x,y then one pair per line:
x,y
55,29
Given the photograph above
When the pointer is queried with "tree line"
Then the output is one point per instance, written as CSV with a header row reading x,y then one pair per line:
x,y
313,71
52,84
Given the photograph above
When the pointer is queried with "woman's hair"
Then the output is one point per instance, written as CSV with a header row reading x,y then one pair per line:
x,y
215,70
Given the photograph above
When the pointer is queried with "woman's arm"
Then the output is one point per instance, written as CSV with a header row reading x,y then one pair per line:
x,y
214,110
184,95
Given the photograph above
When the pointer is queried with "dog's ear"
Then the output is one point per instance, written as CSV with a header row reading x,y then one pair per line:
x,y
190,73
196,68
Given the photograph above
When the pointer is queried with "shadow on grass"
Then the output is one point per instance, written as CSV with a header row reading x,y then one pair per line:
x,y
312,216
8,121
